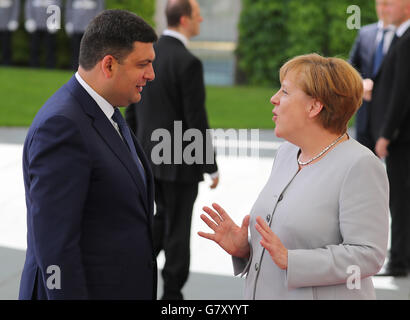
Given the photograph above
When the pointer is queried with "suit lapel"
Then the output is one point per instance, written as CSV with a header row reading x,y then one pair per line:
x,y
107,132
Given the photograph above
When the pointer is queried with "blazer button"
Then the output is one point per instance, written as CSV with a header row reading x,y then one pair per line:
x,y
256,266
268,217
280,197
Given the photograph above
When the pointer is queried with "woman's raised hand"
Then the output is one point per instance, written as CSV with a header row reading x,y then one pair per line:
x,y
229,236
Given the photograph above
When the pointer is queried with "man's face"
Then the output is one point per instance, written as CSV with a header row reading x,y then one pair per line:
x,y
195,19
397,11
382,10
132,74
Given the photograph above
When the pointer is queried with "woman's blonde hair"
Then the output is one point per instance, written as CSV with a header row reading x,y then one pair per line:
x,y
333,82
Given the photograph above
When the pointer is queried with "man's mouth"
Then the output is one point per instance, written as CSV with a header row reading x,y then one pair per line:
x,y
139,88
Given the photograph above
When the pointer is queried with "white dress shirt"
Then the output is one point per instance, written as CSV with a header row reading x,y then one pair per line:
x,y
403,28
105,106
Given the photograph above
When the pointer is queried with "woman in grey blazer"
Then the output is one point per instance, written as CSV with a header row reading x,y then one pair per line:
x,y
319,228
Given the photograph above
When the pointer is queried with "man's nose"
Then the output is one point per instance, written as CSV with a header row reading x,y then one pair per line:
x,y
150,75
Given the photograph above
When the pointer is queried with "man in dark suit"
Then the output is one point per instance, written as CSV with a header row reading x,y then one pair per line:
x,y
175,101
370,47
390,128
89,187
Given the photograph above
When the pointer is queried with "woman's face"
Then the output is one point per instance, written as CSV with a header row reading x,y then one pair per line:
x,y
291,108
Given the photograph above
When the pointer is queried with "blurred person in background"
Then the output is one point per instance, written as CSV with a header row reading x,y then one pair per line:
x,y
42,32
177,94
78,13
390,129
370,47
9,22
323,214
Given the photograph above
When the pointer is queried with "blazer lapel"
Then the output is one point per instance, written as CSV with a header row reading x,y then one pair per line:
x,y
108,133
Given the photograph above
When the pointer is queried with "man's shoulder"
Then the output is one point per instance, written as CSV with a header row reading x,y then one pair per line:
x,y
61,103
404,40
175,48
367,29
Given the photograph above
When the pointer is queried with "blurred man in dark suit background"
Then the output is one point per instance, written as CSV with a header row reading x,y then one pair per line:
x,y
390,129
177,94
371,45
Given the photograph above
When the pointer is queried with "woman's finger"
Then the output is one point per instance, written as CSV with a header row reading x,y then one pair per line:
x,y
263,224
208,222
208,236
212,214
262,232
221,211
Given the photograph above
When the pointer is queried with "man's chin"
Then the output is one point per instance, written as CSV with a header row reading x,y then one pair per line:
x,y
137,99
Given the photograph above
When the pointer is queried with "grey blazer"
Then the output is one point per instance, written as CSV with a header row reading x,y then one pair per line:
x,y
332,216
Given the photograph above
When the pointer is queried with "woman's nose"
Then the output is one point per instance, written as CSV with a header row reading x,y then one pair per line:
x,y
275,99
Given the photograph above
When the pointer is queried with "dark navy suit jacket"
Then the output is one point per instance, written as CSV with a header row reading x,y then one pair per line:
x,y
88,211
361,57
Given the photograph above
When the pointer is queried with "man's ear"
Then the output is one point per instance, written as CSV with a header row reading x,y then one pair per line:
x,y
183,21
108,65
315,108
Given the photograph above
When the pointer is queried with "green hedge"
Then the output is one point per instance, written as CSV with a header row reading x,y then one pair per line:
x,y
272,31
144,8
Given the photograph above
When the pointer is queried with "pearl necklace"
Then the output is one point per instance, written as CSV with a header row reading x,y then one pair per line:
x,y
322,152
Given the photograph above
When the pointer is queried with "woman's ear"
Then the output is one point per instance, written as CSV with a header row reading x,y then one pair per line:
x,y
315,108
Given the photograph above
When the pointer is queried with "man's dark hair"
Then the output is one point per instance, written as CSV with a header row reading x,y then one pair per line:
x,y
177,9
113,32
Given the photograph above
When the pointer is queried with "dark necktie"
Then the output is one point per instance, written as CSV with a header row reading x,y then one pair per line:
x,y
126,134
379,55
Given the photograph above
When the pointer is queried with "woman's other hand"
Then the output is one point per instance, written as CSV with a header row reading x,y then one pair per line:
x,y
272,243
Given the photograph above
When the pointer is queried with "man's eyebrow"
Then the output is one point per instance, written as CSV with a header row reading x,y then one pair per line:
x,y
146,61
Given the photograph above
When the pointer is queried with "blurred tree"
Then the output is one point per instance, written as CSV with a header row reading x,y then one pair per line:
x,y
261,45
144,8
273,31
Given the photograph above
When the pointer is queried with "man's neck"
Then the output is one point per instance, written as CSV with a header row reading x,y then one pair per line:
x,y
181,31
89,79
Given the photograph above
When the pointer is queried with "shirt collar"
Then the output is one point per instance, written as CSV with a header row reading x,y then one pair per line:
x,y
105,106
177,35
403,28
381,27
